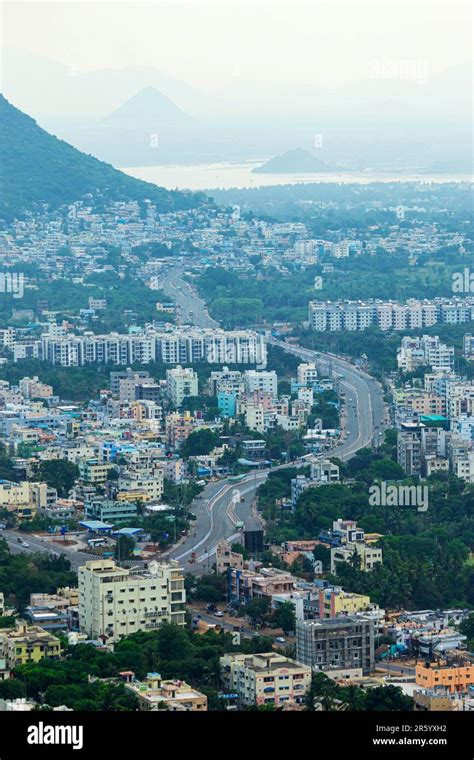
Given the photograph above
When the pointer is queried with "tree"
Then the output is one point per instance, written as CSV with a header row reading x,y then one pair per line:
x,y
322,554
59,474
256,609
285,617
387,698
124,547
199,443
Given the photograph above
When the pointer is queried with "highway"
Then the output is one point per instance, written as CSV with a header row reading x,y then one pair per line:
x,y
367,416
190,308
36,544
224,504
218,510
366,419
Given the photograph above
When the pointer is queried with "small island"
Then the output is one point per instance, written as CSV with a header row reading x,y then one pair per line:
x,y
295,161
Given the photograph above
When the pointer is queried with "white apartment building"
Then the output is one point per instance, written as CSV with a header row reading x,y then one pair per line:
x,y
181,383
264,381
255,417
115,602
307,373
459,399
425,351
388,315
177,346
138,482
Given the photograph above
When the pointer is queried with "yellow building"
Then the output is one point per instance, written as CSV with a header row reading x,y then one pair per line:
x,y
335,601
27,643
155,694
453,678
24,499
92,471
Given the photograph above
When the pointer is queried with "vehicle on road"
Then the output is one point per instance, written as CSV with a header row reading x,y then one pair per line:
x,y
219,614
280,639
25,544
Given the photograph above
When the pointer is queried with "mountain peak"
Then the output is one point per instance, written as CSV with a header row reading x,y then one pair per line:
x,y
148,107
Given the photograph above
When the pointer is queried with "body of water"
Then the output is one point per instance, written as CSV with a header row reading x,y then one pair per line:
x,y
239,175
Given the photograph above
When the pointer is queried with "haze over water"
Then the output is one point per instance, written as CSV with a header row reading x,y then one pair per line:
x,y
239,175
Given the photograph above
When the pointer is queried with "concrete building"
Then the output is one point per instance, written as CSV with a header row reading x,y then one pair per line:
x,y
453,678
27,643
264,381
181,383
335,601
109,511
336,644
154,693
115,602
264,679
226,558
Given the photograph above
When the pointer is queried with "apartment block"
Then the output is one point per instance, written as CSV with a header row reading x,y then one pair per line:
x,y
181,383
115,602
265,679
453,678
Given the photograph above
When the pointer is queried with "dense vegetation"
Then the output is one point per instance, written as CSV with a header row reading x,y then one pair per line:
x,y
37,168
425,554
25,574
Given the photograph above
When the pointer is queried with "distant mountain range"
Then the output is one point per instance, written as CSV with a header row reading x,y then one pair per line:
x,y
297,161
36,168
139,116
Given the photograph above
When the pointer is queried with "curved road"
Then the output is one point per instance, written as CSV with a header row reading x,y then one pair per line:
x,y
224,504
365,422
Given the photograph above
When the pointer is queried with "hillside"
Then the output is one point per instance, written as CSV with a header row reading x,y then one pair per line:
x,y
292,162
37,168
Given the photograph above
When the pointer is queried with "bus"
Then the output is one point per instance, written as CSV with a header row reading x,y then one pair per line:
x,y
93,542
236,478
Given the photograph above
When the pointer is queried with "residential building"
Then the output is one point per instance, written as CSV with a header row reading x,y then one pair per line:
x,y
27,643
181,383
264,679
109,511
115,602
455,677
153,693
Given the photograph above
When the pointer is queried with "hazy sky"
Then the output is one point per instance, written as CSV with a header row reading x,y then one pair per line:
x,y
209,44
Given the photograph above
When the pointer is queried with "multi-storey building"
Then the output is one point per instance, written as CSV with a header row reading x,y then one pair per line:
x,y
27,643
115,602
343,643
181,383
445,677
388,315
108,511
264,679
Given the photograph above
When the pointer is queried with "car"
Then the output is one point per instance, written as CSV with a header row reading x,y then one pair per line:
x,y
25,544
280,639
219,614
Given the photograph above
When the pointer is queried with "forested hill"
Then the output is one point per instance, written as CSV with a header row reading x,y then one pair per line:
x,y
38,168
